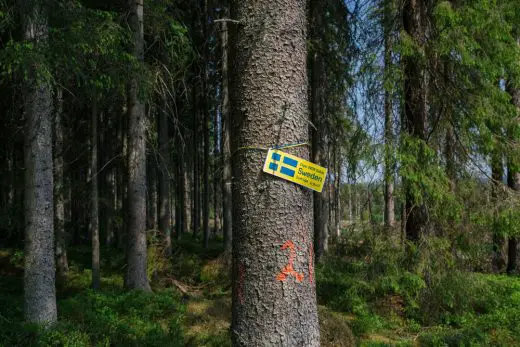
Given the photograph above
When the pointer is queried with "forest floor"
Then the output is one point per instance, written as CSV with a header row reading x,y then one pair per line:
x,y
191,306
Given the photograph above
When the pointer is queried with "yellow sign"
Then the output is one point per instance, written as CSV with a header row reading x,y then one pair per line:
x,y
295,169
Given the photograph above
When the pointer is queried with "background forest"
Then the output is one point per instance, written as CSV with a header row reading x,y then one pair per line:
x,y
126,142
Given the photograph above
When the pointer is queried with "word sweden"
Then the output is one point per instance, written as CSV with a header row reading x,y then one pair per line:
x,y
294,169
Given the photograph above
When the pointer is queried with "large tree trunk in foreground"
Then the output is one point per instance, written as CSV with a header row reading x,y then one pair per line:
x,y
226,141
136,277
415,109
62,263
94,213
274,293
39,274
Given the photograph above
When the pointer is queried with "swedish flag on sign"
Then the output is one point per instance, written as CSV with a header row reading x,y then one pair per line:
x,y
294,169
282,164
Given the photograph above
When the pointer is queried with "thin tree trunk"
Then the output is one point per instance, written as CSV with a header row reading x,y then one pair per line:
x,y
513,181
337,193
274,293
94,212
415,109
151,190
498,261
136,276
226,141
216,176
164,182
39,274
389,213
62,264
195,211
185,196
205,207
318,134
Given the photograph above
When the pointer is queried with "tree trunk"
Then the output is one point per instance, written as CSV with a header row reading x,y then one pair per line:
x,y
196,210
39,274
513,181
226,141
62,263
337,193
151,190
318,133
164,182
94,216
216,176
415,109
389,213
185,203
498,261
205,207
136,276
274,293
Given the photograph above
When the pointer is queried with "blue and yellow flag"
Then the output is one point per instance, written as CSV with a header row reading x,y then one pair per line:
x,y
295,169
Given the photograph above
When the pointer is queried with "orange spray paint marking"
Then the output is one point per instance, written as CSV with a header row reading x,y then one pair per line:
x,y
288,270
311,262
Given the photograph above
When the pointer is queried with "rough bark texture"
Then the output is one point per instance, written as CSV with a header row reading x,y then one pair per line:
x,y
62,263
164,182
94,212
319,131
274,294
389,213
415,110
39,274
136,277
227,204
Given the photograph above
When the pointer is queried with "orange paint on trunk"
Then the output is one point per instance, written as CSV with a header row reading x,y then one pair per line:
x,y
288,270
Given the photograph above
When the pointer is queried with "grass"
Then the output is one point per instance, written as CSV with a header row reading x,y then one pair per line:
x,y
366,298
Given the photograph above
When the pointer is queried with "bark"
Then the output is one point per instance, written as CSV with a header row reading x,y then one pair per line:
x,y
62,264
389,213
39,274
497,171
226,141
94,212
136,277
274,296
415,110
164,182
